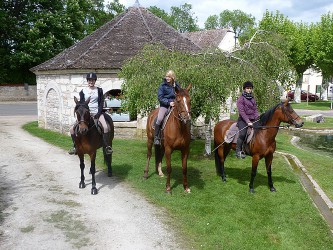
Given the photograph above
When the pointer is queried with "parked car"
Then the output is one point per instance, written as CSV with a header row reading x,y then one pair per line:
x,y
304,96
112,108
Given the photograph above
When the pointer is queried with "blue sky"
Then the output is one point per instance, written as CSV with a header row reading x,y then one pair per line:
x,y
296,10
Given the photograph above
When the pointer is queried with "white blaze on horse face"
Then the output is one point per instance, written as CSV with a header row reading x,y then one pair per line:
x,y
184,99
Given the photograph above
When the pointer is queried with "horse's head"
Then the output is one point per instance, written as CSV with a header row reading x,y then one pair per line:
x,y
82,115
289,115
183,104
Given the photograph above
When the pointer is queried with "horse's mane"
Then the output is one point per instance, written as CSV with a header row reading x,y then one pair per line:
x,y
267,116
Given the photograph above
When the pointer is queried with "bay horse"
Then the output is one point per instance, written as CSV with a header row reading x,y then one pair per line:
x,y
263,144
175,135
89,139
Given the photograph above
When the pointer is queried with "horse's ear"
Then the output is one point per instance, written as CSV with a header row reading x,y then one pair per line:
x,y
189,87
75,99
87,101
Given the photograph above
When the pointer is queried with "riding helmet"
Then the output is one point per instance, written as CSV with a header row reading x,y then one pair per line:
x,y
91,75
247,85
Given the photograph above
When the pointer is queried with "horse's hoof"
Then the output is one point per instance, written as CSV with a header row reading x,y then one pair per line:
x,y
187,190
161,175
82,185
272,189
168,191
251,190
94,191
109,174
224,179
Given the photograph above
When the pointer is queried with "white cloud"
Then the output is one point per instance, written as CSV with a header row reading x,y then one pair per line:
x,y
295,10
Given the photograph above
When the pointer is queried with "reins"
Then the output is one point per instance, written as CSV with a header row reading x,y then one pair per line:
x,y
257,127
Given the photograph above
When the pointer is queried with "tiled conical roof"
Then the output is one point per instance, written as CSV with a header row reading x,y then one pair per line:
x,y
119,39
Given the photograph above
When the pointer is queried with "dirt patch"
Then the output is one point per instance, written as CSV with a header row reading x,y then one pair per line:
x,y
41,206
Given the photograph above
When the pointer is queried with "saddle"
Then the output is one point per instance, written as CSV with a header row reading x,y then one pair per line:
x,y
97,123
231,135
164,120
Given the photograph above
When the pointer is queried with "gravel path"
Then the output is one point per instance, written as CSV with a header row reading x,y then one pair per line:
x,y
41,206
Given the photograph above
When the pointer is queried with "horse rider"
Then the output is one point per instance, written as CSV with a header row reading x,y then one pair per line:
x,y
95,106
248,113
166,96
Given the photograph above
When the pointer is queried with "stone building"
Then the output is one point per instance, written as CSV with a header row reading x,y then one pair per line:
x,y
104,52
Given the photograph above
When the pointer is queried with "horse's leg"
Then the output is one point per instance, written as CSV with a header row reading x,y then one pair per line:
x,y
168,169
185,154
108,160
93,171
149,150
255,161
82,184
160,154
268,161
219,162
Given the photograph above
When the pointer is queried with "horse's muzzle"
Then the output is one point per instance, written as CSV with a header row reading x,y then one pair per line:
x,y
83,131
299,124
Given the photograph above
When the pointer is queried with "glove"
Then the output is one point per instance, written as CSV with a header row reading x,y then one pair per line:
x,y
97,116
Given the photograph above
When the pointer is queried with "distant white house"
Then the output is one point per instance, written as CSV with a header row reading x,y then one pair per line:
x,y
312,82
224,39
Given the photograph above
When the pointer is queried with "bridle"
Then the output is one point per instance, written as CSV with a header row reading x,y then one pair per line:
x,y
82,118
183,118
290,118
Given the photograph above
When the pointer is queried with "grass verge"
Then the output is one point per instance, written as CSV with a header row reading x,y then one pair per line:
x,y
220,215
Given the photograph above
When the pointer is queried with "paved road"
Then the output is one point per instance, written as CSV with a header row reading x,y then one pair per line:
x,y
18,109
30,108
327,113
42,207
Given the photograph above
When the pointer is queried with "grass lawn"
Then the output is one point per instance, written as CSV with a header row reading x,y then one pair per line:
x,y
220,215
318,105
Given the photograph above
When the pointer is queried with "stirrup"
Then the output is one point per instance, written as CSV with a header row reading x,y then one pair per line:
x,y
72,151
240,155
108,150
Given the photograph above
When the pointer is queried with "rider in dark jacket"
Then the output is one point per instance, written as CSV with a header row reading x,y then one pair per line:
x,y
248,113
166,96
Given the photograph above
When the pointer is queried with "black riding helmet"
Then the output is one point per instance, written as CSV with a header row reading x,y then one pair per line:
x,y
247,85
91,75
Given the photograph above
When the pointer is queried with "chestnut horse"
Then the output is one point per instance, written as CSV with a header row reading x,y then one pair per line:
x,y
175,135
89,139
263,144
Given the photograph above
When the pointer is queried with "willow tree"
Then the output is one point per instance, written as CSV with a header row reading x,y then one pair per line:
x,y
214,75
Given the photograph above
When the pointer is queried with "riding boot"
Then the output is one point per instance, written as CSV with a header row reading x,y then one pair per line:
x,y
239,153
72,151
157,136
108,149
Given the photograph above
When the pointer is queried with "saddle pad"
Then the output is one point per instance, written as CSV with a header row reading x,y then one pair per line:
x,y
231,135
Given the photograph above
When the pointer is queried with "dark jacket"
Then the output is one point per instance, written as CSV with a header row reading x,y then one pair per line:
x,y
247,109
166,93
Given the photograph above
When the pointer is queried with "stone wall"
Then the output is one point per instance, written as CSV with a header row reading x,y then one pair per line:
x,y
18,92
55,102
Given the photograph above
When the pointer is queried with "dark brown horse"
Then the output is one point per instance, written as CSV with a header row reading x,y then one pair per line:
x,y
88,140
263,144
175,135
